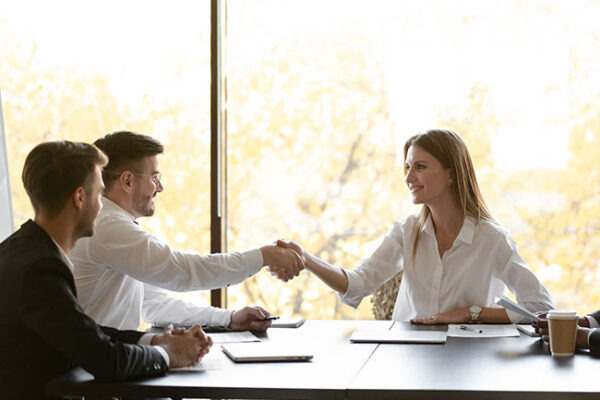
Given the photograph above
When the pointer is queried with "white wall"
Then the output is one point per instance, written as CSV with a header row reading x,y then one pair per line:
x,y
6,217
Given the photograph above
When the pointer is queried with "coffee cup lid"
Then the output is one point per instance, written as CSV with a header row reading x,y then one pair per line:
x,y
566,314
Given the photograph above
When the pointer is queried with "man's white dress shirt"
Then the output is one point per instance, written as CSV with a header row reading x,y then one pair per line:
x,y
120,270
144,340
482,262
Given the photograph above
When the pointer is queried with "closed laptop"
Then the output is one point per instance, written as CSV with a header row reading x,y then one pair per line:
x,y
264,352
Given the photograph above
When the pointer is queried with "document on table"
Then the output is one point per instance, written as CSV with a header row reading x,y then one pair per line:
x,y
514,307
206,364
482,330
233,337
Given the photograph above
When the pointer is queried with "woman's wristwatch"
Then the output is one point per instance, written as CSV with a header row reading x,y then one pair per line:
x,y
474,310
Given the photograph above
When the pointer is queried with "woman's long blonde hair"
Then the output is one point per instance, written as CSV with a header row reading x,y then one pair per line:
x,y
450,150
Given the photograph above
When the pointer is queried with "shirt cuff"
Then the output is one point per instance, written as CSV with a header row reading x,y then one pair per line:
x,y
164,354
592,321
146,340
221,317
350,298
514,317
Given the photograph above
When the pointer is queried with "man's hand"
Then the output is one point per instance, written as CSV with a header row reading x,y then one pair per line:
x,y
250,319
285,263
185,347
582,337
290,244
541,328
280,272
457,316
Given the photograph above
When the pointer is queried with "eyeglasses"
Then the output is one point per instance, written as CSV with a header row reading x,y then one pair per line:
x,y
156,178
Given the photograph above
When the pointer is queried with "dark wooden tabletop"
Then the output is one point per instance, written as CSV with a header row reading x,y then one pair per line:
x,y
476,368
462,368
336,361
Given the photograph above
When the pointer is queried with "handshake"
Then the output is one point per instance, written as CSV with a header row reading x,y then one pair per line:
x,y
285,259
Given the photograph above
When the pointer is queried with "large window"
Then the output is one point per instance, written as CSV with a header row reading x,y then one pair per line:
x,y
322,96
78,70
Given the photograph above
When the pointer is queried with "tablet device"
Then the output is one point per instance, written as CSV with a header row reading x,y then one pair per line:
x,y
398,336
287,322
264,352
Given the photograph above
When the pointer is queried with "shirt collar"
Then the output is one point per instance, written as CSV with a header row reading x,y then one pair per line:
x,y
63,256
466,232
111,207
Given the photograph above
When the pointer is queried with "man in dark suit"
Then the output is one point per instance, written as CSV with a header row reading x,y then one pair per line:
x,y
588,331
43,330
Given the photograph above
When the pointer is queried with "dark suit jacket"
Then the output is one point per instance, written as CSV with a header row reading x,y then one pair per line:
x,y
595,336
43,330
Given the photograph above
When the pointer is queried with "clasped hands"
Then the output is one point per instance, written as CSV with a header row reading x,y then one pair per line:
x,y
184,346
285,259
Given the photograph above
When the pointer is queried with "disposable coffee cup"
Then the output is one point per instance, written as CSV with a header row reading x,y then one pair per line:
x,y
563,332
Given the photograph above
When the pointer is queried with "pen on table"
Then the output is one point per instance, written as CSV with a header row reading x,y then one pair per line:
x,y
468,328
271,317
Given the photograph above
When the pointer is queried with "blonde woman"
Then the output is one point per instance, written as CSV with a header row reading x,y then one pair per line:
x,y
455,258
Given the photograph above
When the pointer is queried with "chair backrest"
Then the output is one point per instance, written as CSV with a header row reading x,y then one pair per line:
x,y
384,298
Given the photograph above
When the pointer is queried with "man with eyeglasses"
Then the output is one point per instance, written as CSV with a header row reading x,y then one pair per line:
x,y
121,273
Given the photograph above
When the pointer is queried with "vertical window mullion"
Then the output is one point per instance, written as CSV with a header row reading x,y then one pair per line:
x,y
218,148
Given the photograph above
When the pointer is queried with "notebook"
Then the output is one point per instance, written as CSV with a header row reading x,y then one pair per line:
x,y
397,336
264,352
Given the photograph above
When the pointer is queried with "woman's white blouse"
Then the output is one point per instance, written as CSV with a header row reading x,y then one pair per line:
x,y
480,265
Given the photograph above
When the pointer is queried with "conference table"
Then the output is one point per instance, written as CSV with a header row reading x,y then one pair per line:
x,y
462,368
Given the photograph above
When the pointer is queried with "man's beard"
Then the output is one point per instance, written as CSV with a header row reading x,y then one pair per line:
x,y
142,205
86,226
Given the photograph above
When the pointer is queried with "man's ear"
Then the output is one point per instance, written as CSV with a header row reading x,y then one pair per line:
x,y
79,198
125,181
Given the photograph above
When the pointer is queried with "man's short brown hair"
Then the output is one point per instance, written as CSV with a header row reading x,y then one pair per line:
x,y
125,150
54,170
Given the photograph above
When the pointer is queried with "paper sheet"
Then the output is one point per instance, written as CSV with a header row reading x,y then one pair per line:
x,y
205,365
514,307
482,330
